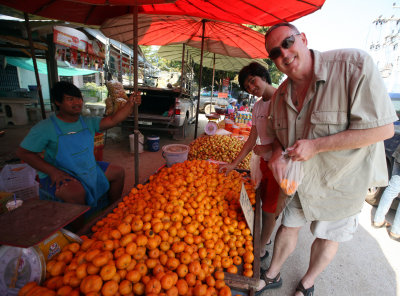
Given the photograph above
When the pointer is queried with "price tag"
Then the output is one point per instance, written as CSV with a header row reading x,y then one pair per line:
x,y
247,208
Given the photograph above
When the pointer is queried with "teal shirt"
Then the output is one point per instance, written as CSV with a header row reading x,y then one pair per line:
x,y
43,136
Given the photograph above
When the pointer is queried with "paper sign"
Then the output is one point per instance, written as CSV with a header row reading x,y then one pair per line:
x,y
247,208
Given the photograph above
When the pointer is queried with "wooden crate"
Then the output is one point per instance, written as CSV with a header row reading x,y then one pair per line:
x,y
240,282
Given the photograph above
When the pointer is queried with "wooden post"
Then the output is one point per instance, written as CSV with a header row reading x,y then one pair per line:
x,y
135,89
201,73
28,29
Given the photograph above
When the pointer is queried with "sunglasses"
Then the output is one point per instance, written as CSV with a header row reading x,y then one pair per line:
x,y
286,44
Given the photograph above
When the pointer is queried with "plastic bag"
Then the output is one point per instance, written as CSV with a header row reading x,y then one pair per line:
x,y
292,175
255,171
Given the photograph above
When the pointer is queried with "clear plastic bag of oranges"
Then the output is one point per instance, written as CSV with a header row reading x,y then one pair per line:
x,y
292,175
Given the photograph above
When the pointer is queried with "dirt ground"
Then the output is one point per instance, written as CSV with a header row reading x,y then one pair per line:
x,y
369,264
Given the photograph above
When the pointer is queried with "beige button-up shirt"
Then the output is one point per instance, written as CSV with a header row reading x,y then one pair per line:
x,y
347,92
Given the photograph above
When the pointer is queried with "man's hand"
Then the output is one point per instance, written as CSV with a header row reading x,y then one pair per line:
x,y
61,178
302,150
135,98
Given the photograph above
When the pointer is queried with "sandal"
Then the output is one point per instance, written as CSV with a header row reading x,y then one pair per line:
x,y
269,283
394,236
380,225
306,292
265,256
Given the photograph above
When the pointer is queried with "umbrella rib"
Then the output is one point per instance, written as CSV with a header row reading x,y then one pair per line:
x,y
44,6
89,14
239,16
311,4
234,33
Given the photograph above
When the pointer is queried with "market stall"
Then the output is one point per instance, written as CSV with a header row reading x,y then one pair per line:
x,y
188,227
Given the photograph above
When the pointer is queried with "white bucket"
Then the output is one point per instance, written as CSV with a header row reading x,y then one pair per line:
x,y
175,153
132,143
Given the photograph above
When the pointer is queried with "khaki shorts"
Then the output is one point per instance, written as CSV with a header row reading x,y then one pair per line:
x,y
338,231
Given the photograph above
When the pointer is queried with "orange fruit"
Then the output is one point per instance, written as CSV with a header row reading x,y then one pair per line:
x,y
200,290
123,261
190,279
182,286
91,283
125,287
225,291
134,276
194,267
248,257
167,281
153,286
110,288
124,228
107,272
219,275
182,270
138,288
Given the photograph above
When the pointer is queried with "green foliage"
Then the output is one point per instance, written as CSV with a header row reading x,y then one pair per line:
x,y
91,89
276,75
206,81
150,53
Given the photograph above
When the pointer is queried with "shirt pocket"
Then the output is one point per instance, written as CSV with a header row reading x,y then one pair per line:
x,y
280,126
325,123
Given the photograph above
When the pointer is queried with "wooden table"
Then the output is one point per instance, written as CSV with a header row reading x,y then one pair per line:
x,y
36,220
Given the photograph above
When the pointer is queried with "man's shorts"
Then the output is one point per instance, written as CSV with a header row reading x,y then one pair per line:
x,y
269,188
48,192
339,231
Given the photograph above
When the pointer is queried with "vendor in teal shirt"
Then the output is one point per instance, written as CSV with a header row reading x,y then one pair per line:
x,y
69,171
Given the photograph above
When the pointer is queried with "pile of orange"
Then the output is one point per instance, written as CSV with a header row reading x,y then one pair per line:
x,y
175,235
218,147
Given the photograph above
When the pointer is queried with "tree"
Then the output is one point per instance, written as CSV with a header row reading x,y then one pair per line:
x,y
276,75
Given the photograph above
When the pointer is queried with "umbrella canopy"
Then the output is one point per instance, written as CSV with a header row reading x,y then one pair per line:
x,y
94,12
219,37
224,63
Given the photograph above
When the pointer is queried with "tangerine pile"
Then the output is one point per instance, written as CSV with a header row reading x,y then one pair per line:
x,y
220,148
175,235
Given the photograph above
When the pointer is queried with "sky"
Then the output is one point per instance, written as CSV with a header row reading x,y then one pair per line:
x,y
344,23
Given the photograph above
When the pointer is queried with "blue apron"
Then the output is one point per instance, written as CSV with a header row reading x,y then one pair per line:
x,y
75,156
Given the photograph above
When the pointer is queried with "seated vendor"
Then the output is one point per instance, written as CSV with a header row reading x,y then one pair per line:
x,y
69,171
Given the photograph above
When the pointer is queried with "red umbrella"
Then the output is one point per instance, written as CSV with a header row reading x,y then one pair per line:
x,y
223,38
94,12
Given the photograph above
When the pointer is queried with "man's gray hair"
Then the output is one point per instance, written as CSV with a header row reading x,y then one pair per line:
x,y
294,29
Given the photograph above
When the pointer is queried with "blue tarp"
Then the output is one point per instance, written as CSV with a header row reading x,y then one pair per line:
x,y
27,64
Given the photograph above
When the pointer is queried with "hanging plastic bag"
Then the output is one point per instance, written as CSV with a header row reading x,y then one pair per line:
x,y
292,175
255,171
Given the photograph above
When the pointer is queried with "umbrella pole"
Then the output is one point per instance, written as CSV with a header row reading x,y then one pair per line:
x,y
212,82
135,89
183,66
201,73
39,88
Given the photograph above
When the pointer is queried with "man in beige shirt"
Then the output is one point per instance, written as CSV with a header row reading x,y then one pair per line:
x,y
332,113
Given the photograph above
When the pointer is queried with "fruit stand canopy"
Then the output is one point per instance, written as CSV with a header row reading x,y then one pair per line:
x,y
94,12
27,64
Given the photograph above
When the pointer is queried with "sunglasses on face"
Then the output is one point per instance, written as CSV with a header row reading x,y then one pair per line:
x,y
286,44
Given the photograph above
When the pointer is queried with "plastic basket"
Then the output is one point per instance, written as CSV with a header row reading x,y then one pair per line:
x,y
28,192
17,177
